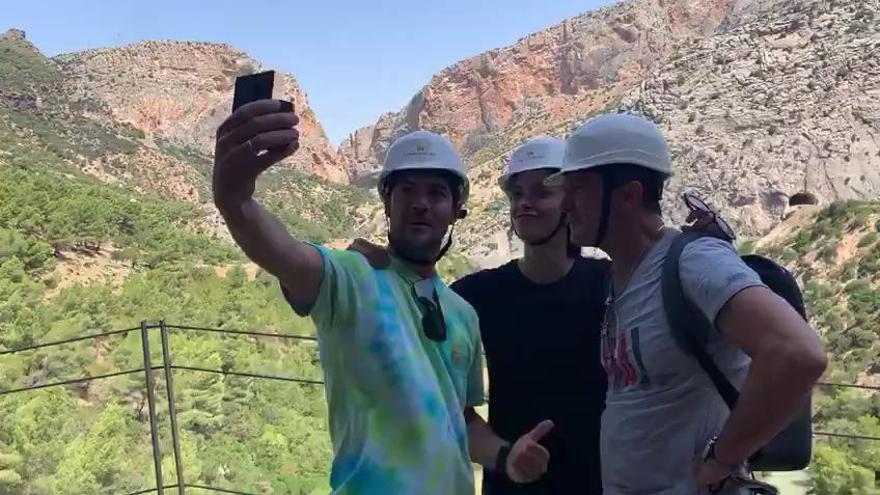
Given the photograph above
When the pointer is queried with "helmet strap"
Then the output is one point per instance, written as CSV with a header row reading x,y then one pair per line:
x,y
544,240
422,262
607,189
447,245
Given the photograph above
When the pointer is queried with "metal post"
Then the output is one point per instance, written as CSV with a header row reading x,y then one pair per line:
x,y
151,402
172,412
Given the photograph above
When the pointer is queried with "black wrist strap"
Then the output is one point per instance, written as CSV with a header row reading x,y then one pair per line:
x,y
501,461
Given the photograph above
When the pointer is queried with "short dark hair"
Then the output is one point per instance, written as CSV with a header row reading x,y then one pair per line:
x,y
652,181
454,182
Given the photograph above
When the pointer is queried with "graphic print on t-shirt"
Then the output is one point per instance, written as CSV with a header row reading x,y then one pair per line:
x,y
621,357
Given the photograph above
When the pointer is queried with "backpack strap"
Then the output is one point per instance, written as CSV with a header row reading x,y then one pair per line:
x,y
690,327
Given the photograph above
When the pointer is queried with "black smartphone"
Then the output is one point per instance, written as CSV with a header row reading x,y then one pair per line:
x,y
253,87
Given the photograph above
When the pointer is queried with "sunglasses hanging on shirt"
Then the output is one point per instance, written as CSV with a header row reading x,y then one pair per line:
x,y
433,323
694,203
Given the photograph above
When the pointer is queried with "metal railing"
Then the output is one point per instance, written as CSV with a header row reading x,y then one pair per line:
x,y
167,367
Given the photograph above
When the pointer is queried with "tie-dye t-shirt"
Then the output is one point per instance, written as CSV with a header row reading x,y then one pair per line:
x,y
395,397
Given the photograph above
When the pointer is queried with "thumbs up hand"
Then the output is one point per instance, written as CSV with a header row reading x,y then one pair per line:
x,y
528,460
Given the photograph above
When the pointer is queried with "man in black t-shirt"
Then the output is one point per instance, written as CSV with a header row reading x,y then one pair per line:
x,y
539,320
542,343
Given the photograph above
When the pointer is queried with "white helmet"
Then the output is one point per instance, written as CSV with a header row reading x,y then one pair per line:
x,y
537,153
423,150
615,139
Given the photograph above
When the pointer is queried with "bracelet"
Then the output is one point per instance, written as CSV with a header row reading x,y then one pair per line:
x,y
501,461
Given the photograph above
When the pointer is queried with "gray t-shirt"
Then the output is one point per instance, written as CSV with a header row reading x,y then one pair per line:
x,y
661,407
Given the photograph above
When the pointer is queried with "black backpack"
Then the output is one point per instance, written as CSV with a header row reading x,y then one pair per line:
x,y
791,449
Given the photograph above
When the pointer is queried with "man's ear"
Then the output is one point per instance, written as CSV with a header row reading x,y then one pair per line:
x,y
633,193
459,209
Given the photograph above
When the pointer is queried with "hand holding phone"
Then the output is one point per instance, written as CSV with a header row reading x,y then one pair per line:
x,y
260,133
253,87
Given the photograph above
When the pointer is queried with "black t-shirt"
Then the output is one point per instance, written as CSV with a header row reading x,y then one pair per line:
x,y
542,350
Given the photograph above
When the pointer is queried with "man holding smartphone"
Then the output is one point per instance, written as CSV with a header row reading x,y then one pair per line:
x,y
400,351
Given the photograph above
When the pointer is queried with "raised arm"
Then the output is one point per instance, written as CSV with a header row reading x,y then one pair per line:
x,y
255,137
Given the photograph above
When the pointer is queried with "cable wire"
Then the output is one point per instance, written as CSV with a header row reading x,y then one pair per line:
x,y
847,385
242,332
219,490
75,380
152,490
845,435
70,340
248,375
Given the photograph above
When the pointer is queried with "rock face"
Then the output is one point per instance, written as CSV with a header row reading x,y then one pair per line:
x,y
361,150
18,37
143,117
183,90
783,99
759,99
571,69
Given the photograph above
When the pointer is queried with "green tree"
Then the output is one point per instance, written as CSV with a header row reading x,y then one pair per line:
x,y
834,474
43,426
200,398
74,476
11,481
101,457
190,456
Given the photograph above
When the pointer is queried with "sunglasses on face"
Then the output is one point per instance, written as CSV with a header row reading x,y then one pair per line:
x,y
694,203
433,323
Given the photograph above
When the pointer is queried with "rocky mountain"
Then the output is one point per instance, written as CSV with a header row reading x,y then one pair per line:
x,y
782,99
760,99
142,117
170,91
183,90
573,68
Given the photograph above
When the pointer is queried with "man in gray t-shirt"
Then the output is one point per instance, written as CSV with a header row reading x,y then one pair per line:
x,y
661,407
665,429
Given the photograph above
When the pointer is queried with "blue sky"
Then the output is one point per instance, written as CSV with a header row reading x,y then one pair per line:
x,y
354,59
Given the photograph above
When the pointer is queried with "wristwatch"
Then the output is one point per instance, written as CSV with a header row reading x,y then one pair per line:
x,y
501,462
709,455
